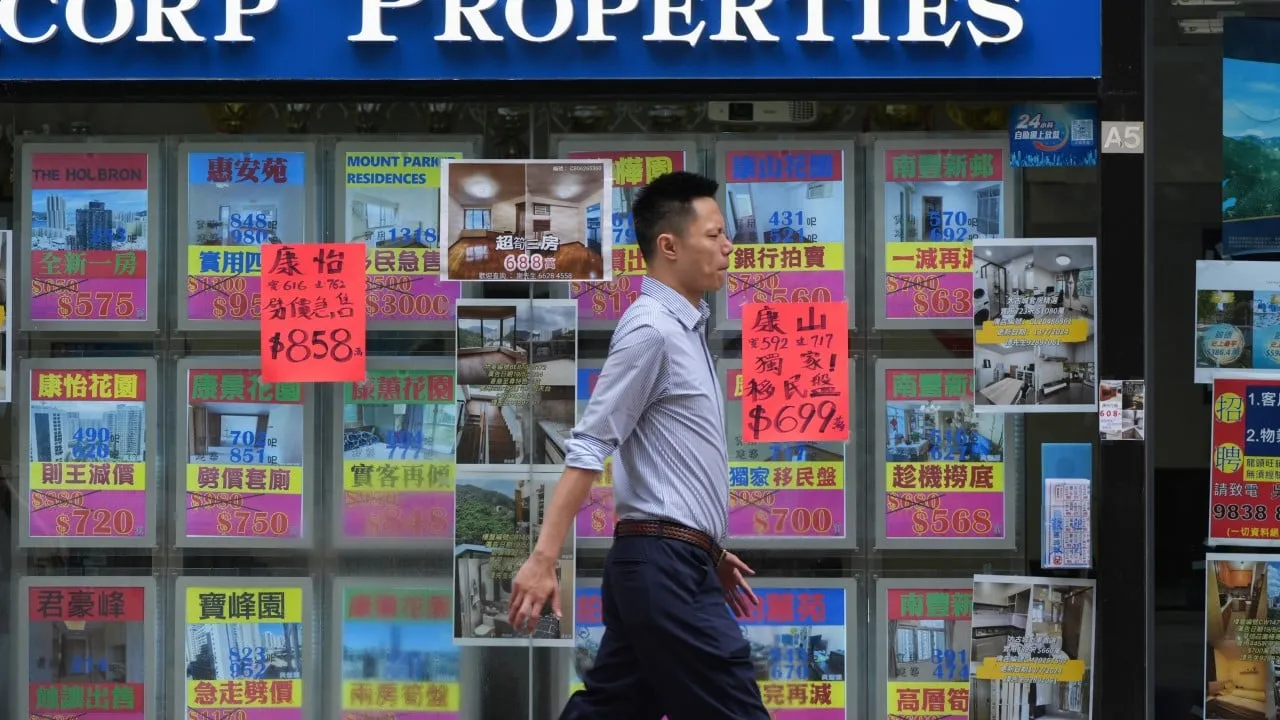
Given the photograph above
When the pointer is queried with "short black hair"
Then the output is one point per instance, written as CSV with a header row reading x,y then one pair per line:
x,y
666,206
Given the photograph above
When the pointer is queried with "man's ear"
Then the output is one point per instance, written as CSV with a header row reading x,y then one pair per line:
x,y
666,246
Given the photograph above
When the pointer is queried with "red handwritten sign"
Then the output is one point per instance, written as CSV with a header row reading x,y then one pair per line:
x,y
313,318
795,367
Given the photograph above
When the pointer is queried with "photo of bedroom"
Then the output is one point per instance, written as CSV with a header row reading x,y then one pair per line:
x,y
941,431
1242,609
245,433
526,220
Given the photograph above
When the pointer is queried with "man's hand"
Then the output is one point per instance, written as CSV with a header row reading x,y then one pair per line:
x,y
534,585
737,592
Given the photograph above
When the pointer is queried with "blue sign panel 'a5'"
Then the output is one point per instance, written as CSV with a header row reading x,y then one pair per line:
x,y
548,39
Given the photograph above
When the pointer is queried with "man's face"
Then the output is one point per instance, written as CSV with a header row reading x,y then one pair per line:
x,y
703,250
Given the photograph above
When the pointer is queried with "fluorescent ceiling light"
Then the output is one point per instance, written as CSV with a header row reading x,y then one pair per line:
x,y
1063,259
1201,27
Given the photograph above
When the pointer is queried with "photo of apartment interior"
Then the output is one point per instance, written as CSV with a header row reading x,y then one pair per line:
x,y
913,641
942,211
1002,611
804,653
785,212
1059,374
941,431
1236,687
1132,398
392,217
78,651
555,214
398,431
245,433
244,215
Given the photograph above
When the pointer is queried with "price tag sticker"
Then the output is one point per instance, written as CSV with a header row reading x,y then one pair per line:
x,y
313,317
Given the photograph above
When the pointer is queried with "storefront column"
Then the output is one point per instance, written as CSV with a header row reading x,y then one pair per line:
x,y
1120,681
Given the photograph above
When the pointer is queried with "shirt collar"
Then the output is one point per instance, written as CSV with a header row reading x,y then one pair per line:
x,y
675,303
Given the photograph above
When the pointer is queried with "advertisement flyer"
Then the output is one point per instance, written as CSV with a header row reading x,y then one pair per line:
x,y
785,212
1053,135
89,216
1250,63
799,638
86,476
526,220
1035,651
778,490
923,647
933,202
245,441
632,170
1237,318
89,648
242,648
1241,622
396,651
397,430
1066,477
499,518
1034,323
943,464
236,202
517,368
1121,412
391,200
313,325
1244,501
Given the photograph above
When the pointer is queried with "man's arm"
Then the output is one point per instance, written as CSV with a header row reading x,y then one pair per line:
x,y
636,364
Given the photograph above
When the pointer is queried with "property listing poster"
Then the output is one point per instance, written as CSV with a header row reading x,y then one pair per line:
x,y
398,660
1035,651
935,201
398,429
238,201
499,519
391,205
517,370
1034,324
86,475
245,444
799,639
785,211
596,518
1241,625
89,220
1066,480
1237,318
89,648
944,471
1244,501
1250,156
926,627
791,490
525,220
632,170
243,648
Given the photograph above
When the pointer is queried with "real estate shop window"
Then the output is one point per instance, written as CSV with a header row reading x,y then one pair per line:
x,y
476,218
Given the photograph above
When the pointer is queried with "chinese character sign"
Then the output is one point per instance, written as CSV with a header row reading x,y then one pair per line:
x,y
1240,635
795,363
632,170
1053,135
928,652
781,489
245,450
398,657
89,232
526,220
88,651
87,454
244,651
1066,476
398,429
944,464
595,518
1244,496
1237,318
313,322
238,202
785,211
799,641
936,202
392,202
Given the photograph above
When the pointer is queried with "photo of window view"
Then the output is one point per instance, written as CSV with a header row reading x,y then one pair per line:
x,y
393,217
913,641
88,220
71,651
943,211
505,507
1242,600
245,433
398,651
785,212
244,214
1250,138
78,431
941,431
398,431
1225,328
244,651
1022,282
516,374
497,209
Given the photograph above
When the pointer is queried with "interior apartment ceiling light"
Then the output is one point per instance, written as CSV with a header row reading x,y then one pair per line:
x,y
1063,259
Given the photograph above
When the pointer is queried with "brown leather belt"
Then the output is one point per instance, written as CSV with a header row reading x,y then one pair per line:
x,y
670,530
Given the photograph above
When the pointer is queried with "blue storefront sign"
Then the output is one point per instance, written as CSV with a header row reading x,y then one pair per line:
x,y
1045,135
547,39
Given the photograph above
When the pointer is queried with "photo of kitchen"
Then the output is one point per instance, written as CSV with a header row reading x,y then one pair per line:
x,y
1242,607
941,431
1046,620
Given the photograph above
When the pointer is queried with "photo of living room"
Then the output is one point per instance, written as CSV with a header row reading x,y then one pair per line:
x,y
398,431
942,211
245,433
520,220
941,431
392,216
1242,598
785,212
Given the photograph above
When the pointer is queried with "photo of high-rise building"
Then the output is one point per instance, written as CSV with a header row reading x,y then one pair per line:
x,y
83,220
71,431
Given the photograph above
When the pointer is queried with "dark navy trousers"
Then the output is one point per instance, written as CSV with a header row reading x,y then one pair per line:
x,y
670,645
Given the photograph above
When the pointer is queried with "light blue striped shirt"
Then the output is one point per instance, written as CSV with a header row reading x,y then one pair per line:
x,y
659,405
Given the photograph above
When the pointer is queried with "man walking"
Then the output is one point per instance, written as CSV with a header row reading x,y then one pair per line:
x,y
670,647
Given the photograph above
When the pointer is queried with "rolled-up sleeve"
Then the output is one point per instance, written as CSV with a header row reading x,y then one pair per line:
x,y
627,384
